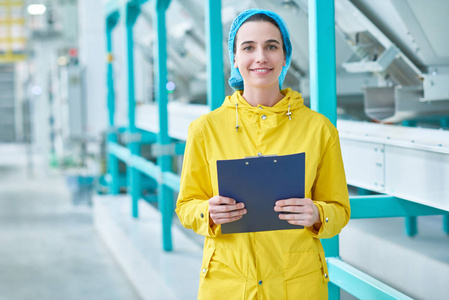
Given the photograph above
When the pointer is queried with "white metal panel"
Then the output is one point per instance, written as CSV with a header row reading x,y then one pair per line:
x,y
180,115
364,164
415,161
417,175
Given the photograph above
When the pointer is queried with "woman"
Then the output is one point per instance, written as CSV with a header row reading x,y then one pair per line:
x,y
261,119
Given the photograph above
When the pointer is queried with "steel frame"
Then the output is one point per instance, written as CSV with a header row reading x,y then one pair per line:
x,y
323,99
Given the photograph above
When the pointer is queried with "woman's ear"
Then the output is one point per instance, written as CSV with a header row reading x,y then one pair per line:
x,y
285,61
235,64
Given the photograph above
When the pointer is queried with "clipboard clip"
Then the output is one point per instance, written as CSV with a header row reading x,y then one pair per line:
x,y
259,155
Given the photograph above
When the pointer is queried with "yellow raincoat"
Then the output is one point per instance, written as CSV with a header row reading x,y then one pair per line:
x,y
283,264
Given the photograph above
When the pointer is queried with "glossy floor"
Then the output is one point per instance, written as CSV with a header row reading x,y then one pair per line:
x,y
48,247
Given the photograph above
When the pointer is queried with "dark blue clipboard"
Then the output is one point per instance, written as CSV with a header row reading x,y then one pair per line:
x,y
259,182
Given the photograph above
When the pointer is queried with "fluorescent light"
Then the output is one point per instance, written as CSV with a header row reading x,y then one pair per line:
x,y
62,60
36,9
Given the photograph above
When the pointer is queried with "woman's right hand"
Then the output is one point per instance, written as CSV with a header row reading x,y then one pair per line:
x,y
224,210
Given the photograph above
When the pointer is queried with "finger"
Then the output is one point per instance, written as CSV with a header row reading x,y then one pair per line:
x,y
300,223
228,220
227,215
291,217
292,209
295,216
218,200
291,201
226,208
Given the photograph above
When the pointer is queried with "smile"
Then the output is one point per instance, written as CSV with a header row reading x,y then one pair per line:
x,y
261,70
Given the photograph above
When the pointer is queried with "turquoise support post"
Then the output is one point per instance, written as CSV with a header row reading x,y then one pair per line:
x,y
446,224
165,195
444,122
411,223
134,180
323,90
411,226
113,163
214,48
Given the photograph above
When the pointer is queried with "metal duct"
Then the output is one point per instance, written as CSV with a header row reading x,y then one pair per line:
x,y
399,103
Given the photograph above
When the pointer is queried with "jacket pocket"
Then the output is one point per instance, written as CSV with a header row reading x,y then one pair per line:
x,y
223,274
324,270
298,264
205,265
303,276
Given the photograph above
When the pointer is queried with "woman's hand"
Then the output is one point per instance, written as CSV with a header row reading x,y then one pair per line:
x,y
224,210
302,211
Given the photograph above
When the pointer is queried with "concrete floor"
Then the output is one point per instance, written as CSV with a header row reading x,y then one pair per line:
x,y
48,247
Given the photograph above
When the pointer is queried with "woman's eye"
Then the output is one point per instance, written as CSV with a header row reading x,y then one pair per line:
x,y
272,47
248,48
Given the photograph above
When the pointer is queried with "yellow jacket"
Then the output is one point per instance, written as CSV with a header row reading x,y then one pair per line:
x,y
285,264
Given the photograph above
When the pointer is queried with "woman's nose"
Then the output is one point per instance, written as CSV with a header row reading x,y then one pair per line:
x,y
261,56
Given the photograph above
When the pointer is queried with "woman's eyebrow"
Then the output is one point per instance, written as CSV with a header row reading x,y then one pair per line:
x,y
246,42
272,41
266,42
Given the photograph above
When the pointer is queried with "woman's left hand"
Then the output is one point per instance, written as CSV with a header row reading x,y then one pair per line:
x,y
301,211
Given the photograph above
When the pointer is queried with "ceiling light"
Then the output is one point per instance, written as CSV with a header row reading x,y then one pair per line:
x,y
36,9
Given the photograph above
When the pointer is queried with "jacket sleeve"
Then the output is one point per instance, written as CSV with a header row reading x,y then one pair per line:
x,y
195,190
330,192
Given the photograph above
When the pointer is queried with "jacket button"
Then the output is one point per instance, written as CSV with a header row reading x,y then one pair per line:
x,y
325,275
264,117
327,220
260,107
202,215
204,270
260,282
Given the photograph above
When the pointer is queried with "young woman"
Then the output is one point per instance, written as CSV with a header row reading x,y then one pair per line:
x,y
261,119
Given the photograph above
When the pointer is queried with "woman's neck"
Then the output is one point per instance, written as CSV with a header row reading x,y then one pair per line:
x,y
266,97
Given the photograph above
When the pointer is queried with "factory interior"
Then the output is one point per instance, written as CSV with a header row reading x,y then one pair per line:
x,y
96,98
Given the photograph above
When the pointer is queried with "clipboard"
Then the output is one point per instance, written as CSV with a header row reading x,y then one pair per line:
x,y
259,182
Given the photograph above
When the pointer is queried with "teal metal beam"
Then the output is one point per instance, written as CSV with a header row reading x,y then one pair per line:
x,y
112,7
171,180
180,148
165,195
383,206
145,166
410,223
112,164
323,91
214,48
446,224
132,11
411,226
147,137
359,284
119,152
141,164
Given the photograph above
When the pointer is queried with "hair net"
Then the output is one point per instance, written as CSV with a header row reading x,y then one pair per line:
x,y
236,80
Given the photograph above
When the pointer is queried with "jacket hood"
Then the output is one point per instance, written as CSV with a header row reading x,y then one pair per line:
x,y
285,108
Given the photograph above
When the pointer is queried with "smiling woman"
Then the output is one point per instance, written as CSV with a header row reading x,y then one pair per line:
x,y
282,264
260,58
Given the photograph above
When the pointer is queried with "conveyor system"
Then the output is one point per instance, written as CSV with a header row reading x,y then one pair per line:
x,y
409,163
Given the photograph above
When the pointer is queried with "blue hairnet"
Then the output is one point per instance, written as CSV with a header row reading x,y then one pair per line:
x,y
236,80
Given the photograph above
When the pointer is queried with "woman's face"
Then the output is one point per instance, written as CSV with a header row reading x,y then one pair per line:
x,y
259,54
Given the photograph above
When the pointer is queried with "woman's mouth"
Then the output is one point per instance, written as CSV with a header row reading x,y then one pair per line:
x,y
261,70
